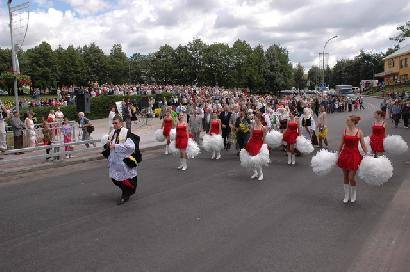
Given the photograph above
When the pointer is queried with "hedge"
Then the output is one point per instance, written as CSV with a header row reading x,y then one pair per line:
x,y
100,106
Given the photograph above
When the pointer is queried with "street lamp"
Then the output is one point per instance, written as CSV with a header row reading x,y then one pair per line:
x,y
323,56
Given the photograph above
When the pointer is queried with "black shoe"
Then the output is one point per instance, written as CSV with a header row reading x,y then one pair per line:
x,y
126,198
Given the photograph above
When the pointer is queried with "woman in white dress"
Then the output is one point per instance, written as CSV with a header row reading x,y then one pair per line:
x,y
31,132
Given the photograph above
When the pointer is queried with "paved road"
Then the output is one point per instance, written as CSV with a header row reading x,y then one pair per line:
x,y
210,218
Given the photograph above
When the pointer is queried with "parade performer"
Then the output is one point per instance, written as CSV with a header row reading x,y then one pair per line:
x,y
349,156
290,136
379,132
213,140
308,126
322,126
122,151
181,141
256,153
167,125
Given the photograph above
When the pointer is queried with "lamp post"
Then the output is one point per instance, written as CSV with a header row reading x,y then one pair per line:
x,y
323,56
13,56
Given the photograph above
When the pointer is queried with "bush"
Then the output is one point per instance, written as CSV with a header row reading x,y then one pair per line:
x,y
100,106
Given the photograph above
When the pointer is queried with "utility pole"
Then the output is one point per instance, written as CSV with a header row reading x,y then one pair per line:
x,y
13,56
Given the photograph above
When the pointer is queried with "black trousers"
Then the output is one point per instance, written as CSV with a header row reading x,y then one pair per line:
x,y
226,132
406,119
128,186
242,139
18,142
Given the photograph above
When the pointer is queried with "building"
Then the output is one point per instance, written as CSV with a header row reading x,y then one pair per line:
x,y
397,67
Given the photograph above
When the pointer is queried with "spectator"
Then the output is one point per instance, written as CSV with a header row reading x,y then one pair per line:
x,y
85,127
406,114
17,127
396,112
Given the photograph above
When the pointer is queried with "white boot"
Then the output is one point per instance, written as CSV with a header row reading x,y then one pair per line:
x,y
181,164
184,164
289,158
255,174
213,155
346,188
293,159
218,155
166,150
353,194
260,174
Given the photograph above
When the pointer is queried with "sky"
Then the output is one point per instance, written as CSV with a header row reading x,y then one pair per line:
x,y
302,26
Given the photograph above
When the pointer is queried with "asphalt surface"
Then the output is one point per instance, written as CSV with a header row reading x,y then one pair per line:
x,y
210,218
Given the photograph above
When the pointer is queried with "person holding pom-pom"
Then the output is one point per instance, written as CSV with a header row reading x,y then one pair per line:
x,y
349,156
290,136
256,153
181,141
214,130
379,132
167,125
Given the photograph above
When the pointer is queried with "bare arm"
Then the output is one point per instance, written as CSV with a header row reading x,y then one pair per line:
x,y
220,127
362,143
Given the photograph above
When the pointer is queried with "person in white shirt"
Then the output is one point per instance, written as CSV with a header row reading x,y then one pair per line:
x,y
111,115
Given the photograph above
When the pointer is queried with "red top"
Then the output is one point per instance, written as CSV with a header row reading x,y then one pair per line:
x,y
349,157
167,126
291,133
214,127
377,138
181,139
255,143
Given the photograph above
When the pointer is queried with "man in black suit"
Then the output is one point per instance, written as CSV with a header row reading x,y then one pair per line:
x,y
225,117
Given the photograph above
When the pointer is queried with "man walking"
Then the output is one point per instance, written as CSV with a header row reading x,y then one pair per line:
x,y
225,117
195,124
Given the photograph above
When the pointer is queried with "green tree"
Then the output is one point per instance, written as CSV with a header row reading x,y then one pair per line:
x,y
314,77
184,73
118,65
197,48
279,72
404,32
218,66
256,69
40,63
298,76
163,66
96,64
71,66
5,60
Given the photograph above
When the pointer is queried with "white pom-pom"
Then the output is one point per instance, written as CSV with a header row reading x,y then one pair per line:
x,y
367,143
394,144
375,171
323,162
212,142
173,149
274,139
303,145
159,135
172,134
192,149
261,159
104,139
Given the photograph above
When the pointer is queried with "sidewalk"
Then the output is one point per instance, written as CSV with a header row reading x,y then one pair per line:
x,y
145,131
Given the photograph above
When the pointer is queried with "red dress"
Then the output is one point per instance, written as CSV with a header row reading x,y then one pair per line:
x,y
291,133
377,138
181,139
167,126
350,158
255,143
214,127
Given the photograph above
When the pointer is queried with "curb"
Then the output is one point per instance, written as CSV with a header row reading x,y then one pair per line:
x,y
74,161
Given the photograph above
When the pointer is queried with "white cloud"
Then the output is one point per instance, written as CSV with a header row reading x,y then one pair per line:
x,y
144,25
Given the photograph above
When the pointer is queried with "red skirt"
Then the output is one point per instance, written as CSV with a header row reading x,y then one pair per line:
x,y
290,137
167,131
349,159
253,147
181,142
376,143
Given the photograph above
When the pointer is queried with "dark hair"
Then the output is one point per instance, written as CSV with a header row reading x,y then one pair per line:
x,y
381,113
355,119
